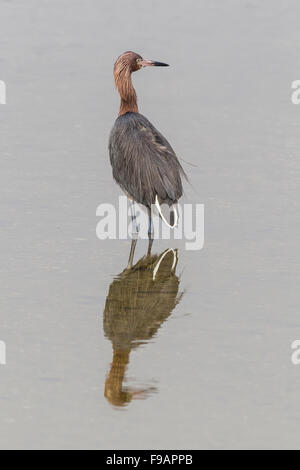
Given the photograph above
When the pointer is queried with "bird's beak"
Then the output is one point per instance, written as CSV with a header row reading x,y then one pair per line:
x,y
151,63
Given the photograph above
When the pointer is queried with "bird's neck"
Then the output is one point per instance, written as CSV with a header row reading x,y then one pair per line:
x,y
127,93
114,382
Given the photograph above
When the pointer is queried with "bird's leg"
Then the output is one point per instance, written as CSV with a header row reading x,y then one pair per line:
x,y
135,231
150,231
131,254
149,246
135,227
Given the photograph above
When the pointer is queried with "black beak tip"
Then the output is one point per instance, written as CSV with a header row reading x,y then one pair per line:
x,y
160,64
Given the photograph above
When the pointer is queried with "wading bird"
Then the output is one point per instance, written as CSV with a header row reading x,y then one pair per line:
x,y
143,162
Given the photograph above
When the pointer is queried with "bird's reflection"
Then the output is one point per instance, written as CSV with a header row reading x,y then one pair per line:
x,y
139,300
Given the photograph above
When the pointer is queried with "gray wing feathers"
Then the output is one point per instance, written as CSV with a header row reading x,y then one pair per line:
x,y
143,162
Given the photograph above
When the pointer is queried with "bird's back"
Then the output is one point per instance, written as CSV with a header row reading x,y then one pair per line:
x,y
143,162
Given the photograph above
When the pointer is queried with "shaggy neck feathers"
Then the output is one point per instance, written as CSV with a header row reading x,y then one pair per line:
x,y
122,76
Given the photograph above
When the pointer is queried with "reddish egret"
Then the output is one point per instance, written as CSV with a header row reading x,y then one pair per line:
x,y
143,162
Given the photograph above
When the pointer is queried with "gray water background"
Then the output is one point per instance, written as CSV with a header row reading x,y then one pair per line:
x,y
221,363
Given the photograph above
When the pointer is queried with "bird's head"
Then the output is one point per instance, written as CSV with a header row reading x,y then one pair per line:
x,y
125,64
131,62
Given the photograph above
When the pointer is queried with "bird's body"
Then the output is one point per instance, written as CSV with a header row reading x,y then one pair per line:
x,y
143,162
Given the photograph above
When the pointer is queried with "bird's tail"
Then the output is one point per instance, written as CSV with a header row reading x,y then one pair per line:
x,y
174,214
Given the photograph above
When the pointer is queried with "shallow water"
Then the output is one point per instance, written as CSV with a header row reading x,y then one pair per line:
x,y
207,364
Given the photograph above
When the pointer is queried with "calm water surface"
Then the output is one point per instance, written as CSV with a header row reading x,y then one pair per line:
x,y
200,357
